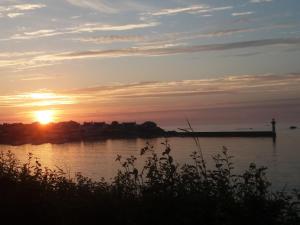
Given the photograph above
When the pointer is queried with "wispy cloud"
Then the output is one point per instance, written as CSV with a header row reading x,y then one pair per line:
x,y
13,15
245,54
224,85
153,39
7,55
140,51
92,27
229,86
35,34
42,98
171,38
212,9
34,60
109,7
173,11
83,28
260,1
193,9
26,7
250,94
38,77
95,5
111,39
242,13
17,10
18,61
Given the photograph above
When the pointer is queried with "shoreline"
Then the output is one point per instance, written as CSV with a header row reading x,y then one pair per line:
x,y
66,132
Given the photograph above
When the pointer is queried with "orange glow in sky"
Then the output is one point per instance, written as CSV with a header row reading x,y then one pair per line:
x,y
44,116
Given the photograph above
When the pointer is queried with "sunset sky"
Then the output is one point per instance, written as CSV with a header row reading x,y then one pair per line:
x,y
210,61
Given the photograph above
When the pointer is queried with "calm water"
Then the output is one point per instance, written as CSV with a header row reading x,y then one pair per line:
x,y
97,159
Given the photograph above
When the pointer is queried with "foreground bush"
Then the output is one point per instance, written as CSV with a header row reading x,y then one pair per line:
x,y
161,192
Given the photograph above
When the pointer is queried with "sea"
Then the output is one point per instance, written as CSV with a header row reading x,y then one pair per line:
x,y
98,159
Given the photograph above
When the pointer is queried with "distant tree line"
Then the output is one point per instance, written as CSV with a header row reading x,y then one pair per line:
x,y
62,132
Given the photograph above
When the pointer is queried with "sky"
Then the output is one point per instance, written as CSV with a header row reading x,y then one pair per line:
x,y
209,61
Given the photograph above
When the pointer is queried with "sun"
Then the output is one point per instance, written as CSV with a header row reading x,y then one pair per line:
x,y
44,116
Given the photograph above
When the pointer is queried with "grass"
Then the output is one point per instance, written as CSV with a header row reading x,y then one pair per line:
x,y
161,192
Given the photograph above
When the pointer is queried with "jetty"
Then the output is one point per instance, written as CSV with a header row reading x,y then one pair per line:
x,y
271,133
186,133
222,134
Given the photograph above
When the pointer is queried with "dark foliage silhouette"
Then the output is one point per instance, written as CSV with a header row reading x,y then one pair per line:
x,y
159,192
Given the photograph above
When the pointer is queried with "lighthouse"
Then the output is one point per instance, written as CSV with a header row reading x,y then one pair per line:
x,y
273,122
